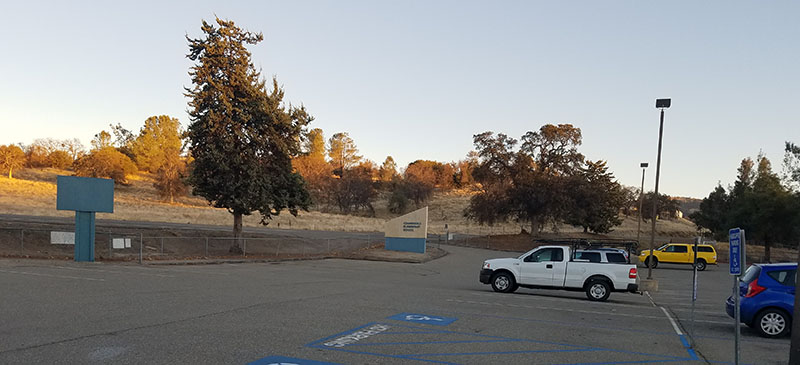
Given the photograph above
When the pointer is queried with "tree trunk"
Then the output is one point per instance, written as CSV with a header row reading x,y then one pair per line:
x,y
766,251
585,229
237,234
9,173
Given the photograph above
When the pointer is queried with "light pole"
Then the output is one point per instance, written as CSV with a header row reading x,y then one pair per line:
x,y
660,104
643,165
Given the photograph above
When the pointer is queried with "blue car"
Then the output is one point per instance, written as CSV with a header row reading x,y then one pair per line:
x,y
766,298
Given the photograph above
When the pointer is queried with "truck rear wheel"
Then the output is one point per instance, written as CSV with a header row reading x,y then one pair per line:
x,y
598,290
503,282
700,264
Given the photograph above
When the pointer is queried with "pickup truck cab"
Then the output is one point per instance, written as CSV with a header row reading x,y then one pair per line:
x,y
556,267
680,253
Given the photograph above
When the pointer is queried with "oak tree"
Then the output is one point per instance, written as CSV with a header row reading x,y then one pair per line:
x,y
11,158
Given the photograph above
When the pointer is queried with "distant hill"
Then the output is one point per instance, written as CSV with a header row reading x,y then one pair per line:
x,y
688,205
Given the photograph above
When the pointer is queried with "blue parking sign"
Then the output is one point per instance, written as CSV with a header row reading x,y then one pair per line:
x,y
735,246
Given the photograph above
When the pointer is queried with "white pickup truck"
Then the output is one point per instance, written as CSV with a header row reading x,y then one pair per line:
x,y
555,267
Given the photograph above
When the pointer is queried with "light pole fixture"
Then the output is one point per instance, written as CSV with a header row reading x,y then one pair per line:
x,y
660,104
643,165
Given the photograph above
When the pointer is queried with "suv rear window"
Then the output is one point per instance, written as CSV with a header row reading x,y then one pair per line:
x,y
705,249
591,256
785,277
615,257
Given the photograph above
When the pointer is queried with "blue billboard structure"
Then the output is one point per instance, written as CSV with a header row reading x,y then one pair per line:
x,y
408,232
86,196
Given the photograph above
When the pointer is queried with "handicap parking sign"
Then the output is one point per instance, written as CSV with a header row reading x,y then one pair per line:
x,y
736,249
423,318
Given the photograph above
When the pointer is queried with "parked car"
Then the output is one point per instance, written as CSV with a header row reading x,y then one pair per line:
x,y
609,249
766,298
554,267
680,253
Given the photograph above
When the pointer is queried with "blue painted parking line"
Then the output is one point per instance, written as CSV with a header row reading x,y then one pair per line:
x,y
688,348
283,360
370,339
423,318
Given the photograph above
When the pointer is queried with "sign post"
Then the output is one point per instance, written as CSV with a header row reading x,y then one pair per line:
x,y
86,196
736,249
694,283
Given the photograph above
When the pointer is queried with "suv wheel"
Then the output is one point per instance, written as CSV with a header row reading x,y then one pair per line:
x,y
772,323
503,283
653,264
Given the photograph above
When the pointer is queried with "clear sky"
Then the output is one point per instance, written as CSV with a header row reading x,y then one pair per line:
x,y
416,79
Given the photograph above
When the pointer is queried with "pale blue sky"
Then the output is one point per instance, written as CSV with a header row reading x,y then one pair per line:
x,y
416,79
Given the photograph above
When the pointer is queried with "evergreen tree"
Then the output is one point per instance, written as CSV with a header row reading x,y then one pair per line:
x,y
343,152
242,136
596,198
714,213
314,144
158,141
388,170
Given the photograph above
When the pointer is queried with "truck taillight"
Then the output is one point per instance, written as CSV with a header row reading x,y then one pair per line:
x,y
632,273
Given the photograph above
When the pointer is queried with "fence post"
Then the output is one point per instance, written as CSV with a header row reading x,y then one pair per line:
x,y
22,239
329,246
278,250
141,244
162,245
111,244
206,246
244,248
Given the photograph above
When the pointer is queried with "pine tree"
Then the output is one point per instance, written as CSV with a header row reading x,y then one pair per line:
x,y
242,136
342,152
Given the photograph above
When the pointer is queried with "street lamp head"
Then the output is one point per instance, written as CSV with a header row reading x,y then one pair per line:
x,y
644,165
663,103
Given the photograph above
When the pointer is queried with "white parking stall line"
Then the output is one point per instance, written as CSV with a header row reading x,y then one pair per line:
x,y
528,297
152,268
650,298
50,275
672,321
113,272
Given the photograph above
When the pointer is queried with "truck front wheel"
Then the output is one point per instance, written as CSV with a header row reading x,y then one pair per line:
x,y
503,282
598,290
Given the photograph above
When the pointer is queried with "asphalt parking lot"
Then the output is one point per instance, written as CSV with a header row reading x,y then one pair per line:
x,y
352,312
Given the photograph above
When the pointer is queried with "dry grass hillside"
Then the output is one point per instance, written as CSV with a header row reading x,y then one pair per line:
x,y
33,192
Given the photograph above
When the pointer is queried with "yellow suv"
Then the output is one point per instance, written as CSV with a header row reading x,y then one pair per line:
x,y
680,253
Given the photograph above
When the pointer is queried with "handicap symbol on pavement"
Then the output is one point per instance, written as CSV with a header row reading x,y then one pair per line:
x,y
423,318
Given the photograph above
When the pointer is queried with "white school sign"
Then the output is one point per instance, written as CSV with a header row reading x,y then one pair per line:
x,y
408,232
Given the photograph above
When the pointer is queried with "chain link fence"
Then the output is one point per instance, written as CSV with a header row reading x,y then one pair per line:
x,y
127,246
